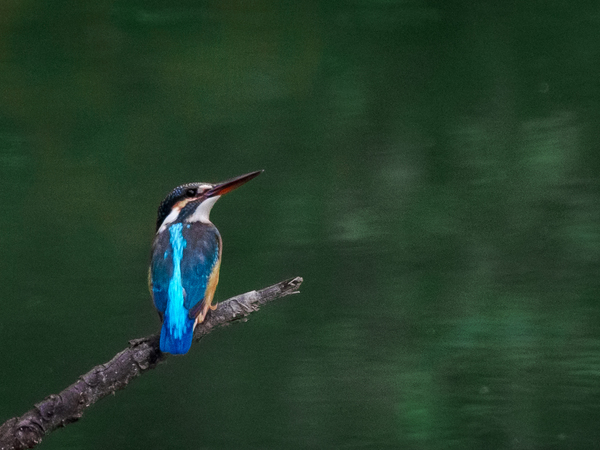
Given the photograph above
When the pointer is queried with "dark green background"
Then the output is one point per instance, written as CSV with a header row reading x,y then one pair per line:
x,y
431,170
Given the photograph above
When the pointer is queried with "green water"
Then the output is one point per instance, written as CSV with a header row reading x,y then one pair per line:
x,y
431,170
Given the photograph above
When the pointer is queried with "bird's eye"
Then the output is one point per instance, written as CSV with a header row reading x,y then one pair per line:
x,y
190,192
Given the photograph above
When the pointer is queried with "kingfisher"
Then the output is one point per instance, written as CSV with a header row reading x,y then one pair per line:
x,y
185,261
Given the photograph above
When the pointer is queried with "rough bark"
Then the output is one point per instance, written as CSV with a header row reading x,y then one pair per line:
x,y
59,410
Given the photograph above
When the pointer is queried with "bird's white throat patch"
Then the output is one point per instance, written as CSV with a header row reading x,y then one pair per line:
x,y
202,212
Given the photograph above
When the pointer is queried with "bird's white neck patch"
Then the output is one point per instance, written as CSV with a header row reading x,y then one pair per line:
x,y
203,210
172,217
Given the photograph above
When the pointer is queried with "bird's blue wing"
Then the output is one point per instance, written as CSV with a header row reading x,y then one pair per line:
x,y
161,271
201,257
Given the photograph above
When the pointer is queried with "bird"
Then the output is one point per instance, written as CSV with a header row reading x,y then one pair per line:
x,y
186,258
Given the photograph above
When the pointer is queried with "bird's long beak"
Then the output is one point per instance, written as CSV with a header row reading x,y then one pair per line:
x,y
229,185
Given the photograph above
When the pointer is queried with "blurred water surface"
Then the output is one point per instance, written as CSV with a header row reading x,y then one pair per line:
x,y
432,171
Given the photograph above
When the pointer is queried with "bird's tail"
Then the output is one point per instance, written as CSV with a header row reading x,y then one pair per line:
x,y
176,341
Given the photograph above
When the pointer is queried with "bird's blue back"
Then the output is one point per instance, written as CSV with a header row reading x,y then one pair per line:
x,y
183,258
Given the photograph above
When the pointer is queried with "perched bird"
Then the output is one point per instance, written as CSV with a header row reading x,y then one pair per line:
x,y
186,257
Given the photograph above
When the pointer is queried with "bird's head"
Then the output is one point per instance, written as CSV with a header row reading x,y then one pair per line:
x,y
192,202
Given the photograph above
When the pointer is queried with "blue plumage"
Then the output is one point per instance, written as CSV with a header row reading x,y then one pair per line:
x,y
176,335
184,257
169,343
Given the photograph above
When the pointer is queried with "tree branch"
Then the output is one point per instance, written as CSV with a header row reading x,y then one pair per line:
x,y
59,410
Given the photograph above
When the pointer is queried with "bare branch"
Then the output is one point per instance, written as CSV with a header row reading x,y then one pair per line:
x,y
58,410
